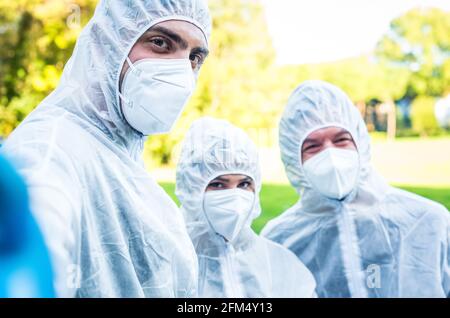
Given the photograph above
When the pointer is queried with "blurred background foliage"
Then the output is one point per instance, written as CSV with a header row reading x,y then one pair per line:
x,y
395,87
37,38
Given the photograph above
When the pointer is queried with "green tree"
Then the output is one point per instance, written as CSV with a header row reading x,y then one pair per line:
x,y
423,119
36,40
420,42
237,81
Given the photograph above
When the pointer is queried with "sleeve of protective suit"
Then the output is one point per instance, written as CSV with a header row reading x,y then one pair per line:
x,y
446,263
55,209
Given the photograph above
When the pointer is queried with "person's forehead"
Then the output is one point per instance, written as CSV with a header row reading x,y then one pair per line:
x,y
327,132
189,32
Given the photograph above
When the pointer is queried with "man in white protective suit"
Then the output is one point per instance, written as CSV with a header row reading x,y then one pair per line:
x,y
111,229
359,236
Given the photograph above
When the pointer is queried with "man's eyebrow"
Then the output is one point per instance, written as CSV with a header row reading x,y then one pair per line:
x,y
202,50
343,132
309,140
170,34
179,40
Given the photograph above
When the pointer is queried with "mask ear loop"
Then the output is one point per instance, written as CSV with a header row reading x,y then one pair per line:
x,y
132,69
131,65
123,98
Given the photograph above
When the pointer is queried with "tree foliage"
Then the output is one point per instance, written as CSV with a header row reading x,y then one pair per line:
x,y
419,41
36,41
239,81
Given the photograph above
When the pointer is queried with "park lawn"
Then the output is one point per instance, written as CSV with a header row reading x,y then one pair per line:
x,y
275,199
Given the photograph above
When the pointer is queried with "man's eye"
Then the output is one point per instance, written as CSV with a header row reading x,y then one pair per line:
x,y
311,148
342,140
216,185
160,43
196,60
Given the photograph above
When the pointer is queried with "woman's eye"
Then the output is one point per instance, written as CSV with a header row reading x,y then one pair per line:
x,y
244,185
216,185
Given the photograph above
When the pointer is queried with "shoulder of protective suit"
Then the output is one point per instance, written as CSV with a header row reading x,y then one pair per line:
x,y
41,140
411,202
274,228
281,223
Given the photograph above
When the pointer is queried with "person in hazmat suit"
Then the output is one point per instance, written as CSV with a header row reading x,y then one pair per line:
x,y
218,181
359,236
111,230
25,269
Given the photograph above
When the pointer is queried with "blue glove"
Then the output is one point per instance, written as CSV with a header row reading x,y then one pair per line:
x,y
25,269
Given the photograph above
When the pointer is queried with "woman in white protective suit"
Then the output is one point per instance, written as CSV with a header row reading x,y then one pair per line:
x,y
111,230
359,236
218,184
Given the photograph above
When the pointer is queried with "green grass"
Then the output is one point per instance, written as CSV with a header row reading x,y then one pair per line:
x,y
275,199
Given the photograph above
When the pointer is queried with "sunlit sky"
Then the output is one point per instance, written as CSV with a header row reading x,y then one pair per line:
x,y
314,31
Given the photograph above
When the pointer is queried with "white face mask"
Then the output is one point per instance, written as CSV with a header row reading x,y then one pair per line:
x,y
227,211
333,172
155,92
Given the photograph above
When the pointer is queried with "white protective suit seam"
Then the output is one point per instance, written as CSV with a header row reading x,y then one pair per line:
x,y
355,268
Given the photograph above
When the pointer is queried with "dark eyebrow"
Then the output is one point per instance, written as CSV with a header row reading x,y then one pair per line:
x,y
201,50
246,179
178,39
170,34
223,179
